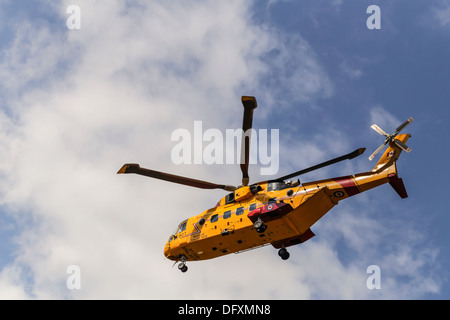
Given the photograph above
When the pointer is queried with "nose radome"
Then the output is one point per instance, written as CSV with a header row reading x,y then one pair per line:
x,y
166,249
168,252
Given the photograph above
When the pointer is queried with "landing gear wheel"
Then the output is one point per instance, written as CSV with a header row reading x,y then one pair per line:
x,y
262,229
182,267
284,254
259,226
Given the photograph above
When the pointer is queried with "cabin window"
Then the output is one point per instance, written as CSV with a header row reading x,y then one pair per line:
x,y
239,211
252,207
214,218
227,214
272,200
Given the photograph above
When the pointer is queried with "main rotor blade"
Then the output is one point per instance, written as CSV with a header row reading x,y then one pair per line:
x,y
376,151
379,130
403,125
348,156
135,168
249,105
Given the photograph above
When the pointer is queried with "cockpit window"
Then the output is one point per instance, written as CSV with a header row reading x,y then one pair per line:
x,y
272,186
181,227
280,185
229,198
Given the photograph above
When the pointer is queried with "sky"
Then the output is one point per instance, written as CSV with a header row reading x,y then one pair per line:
x,y
77,103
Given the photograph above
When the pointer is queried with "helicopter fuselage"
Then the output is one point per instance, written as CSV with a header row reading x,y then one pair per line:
x,y
277,212
287,212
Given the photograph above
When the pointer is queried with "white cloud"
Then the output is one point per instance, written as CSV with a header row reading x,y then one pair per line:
x,y
352,72
375,237
384,119
441,14
81,103
11,285
130,76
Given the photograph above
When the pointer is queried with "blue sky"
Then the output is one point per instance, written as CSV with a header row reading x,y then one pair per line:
x,y
77,104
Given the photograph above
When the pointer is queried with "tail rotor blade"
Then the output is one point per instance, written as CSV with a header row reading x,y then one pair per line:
x,y
390,138
249,104
402,145
376,151
379,130
403,125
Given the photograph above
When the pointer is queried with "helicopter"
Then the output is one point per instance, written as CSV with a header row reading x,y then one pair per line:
x,y
278,211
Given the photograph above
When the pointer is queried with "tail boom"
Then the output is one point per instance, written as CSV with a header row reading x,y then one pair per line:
x,y
385,171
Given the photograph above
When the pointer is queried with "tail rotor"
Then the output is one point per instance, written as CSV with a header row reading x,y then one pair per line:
x,y
391,138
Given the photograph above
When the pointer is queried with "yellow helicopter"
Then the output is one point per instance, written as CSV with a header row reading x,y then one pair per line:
x,y
280,211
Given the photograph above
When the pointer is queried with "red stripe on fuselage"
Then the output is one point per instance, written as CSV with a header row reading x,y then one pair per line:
x,y
348,184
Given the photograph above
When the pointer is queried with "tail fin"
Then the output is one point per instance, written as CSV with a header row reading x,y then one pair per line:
x,y
397,184
387,163
391,154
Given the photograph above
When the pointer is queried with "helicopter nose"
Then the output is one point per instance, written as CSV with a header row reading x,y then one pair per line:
x,y
168,252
